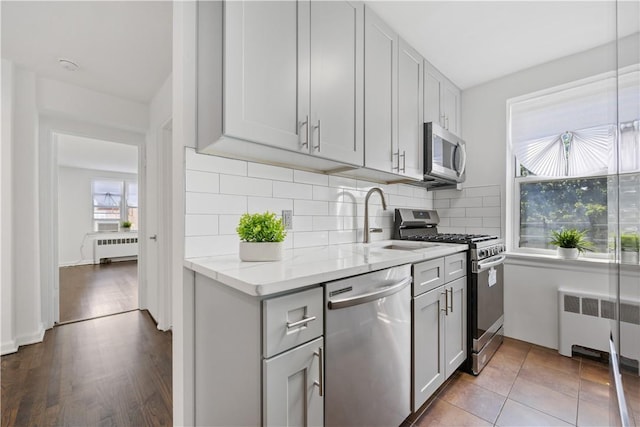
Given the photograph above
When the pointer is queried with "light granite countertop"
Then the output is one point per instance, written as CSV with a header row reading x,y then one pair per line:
x,y
308,266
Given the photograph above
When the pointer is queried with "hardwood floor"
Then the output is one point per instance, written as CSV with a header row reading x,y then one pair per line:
x,y
526,385
113,370
88,291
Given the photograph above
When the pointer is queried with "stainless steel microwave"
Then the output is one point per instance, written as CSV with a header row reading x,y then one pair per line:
x,y
445,156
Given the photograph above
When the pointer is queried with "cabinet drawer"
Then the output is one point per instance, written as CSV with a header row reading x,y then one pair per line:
x,y
291,320
455,266
428,275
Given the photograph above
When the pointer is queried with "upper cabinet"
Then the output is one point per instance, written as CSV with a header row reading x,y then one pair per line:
x,y
441,100
410,113
380,94
393,101
282,74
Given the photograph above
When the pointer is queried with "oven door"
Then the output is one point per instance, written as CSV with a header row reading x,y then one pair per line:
x,y
445,154
488,307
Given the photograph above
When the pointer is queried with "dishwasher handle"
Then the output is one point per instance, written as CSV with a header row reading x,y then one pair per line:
x,y
371,296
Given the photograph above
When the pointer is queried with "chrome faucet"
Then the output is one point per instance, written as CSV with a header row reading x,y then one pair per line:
x,y
368,230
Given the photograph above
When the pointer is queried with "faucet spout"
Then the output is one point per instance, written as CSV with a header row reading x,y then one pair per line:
x,y
367,230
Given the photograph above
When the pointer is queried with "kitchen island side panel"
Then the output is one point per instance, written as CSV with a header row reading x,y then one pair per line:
x,y
227,356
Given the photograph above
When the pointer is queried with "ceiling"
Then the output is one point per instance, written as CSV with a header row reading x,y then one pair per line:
x,y
87,153
473,42
123,48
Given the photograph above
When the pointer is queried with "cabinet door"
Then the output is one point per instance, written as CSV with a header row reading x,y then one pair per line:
x,y
456,325
291,387
410,110
451,107
433,82
380,93
261,82
428,345
337,59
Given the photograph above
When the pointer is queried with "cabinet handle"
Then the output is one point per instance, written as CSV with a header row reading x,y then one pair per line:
x,y
397,153
451,301
446,119
320,382
442,120
446,302
303,321
317,147
404,161
304,143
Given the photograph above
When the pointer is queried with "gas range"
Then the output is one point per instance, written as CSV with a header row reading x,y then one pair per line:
x,y
421,225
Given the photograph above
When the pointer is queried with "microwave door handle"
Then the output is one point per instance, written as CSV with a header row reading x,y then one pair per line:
x,y
463,156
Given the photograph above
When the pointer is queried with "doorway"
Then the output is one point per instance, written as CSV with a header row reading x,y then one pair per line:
x,y
98,225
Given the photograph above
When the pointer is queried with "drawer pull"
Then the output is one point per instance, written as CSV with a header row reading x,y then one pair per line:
x,y
303,321
320,382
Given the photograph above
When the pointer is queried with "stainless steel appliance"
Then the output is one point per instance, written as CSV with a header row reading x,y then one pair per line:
x,y
485,280
445,156
367,345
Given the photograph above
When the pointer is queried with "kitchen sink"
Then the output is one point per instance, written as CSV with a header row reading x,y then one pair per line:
x,y
400,247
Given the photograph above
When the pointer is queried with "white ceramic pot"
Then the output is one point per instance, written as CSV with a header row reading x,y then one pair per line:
x,y
568,253
629,257
261,251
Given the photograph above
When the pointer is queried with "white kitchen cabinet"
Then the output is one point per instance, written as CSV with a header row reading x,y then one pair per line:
x,y
380,93
410,111
439,332
441,99
292,387
336,76
283,74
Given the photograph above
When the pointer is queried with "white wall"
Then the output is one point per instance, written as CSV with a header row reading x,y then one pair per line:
x,y
7,321
530,287
75,212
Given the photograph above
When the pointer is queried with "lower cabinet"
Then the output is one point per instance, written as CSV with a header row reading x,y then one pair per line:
x,y
293,387
439,337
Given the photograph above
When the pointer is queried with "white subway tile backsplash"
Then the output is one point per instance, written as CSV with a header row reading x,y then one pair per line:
x,y
489,190
342,182
467,202
305,177
202,246
276,173
310,207
321,223
491,222
291,190
203,203
448,194
488,201
263,204
230,184
405,190
201,225
441,203
227,224
466,222
327,193
341,237
302,223
482,212
207,163
202,182
305,239
344,209
452,213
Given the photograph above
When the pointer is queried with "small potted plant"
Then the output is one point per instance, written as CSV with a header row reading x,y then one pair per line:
x,y
261,237
570,242
629,248
126,225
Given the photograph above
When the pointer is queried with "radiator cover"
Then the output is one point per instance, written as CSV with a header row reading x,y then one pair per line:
x,y
114,247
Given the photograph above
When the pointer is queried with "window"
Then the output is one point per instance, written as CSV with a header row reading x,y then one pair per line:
x,y
114,201
564,144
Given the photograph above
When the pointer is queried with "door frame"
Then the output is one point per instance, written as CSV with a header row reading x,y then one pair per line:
x,y
49,128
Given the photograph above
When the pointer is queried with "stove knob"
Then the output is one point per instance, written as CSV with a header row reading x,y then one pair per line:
x,y
483,253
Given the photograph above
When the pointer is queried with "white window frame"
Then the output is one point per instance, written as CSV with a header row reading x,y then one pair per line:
x,y
123,202
513,180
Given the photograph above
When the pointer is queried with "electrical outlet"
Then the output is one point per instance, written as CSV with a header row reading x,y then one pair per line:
x,y
287,219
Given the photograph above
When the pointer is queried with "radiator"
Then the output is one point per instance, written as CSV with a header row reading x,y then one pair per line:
x,y
585,321
115,247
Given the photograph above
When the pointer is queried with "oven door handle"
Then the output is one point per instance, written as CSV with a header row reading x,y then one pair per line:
x,y
485,265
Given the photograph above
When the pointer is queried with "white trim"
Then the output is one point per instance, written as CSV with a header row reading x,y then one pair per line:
x,y
8,347
13,345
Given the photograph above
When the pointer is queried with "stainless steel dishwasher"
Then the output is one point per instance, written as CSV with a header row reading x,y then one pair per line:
x,y
368,349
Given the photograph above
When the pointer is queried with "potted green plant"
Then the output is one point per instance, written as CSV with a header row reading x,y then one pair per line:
x,y
126,225
261,237
629,248
570,242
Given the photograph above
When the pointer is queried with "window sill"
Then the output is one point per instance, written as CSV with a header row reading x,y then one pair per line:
x,y
552,261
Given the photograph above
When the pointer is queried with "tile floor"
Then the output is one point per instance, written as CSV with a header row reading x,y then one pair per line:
x,y
528,385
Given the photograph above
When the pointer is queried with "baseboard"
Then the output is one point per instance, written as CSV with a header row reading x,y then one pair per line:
x,y
33,338
8,347
76,263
